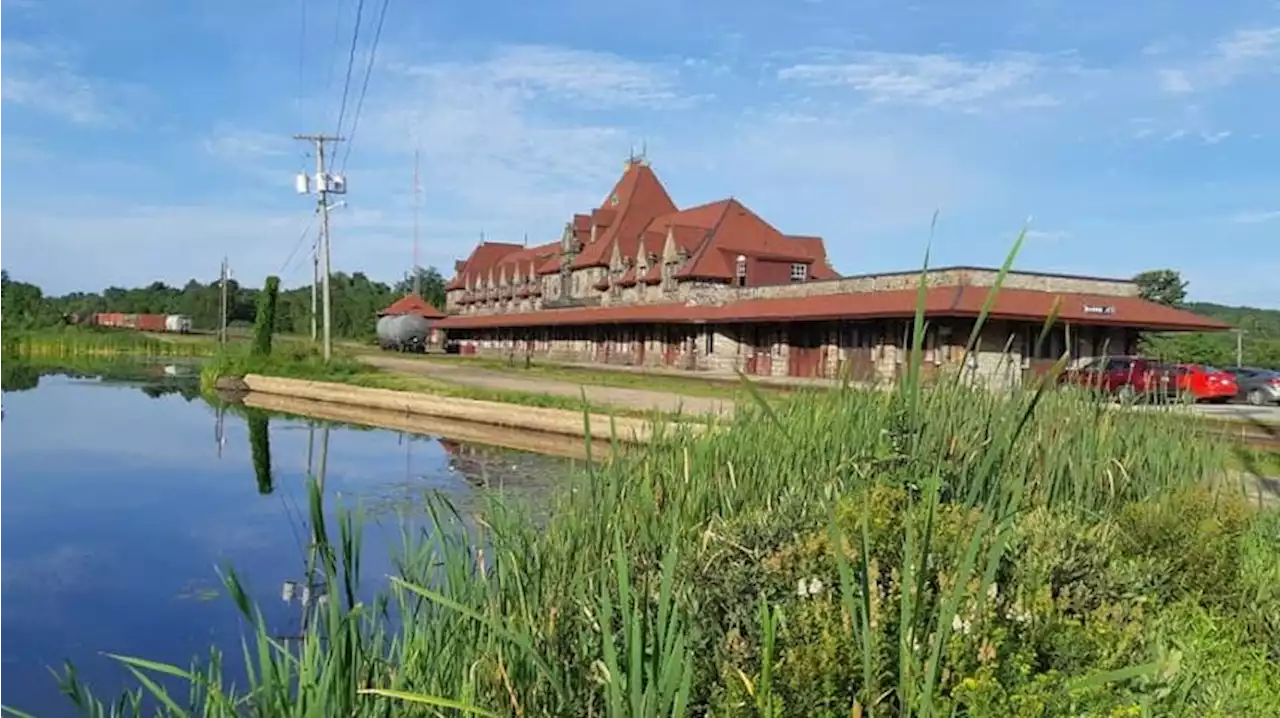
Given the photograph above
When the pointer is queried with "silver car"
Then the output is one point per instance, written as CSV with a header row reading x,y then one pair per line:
x,y
1257,386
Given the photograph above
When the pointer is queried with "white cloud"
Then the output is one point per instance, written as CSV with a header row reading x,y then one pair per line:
x,y
495,136
1240,54
593,79
932,80
1047,235
1174,82
44,79
1256,217
247,145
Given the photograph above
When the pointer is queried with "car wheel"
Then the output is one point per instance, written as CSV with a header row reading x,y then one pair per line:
x,y
1125,394
1255,397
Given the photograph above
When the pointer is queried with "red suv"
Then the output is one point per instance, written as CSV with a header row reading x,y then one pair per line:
x,y
1136,376
1122,376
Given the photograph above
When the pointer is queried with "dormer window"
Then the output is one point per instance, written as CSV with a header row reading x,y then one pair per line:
x,y
740,271
799,272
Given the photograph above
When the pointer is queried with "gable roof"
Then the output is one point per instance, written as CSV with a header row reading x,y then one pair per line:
x,y
635,200
483,258
740,231
412,304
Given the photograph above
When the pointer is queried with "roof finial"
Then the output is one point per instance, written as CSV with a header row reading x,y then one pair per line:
x,y
481,236
644,151
526,239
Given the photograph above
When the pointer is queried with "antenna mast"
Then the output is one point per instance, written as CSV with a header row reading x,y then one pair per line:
x,y
417,275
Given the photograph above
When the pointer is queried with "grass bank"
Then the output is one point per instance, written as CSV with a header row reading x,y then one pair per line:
x,y
100,342
908,553
704,386
302,362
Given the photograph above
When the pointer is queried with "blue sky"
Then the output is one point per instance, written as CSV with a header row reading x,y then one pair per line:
x,y
145,139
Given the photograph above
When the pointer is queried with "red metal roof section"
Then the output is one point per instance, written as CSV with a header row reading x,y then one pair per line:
x,y
639,197
1016,304
523,258
816,248
412,304
483,258
742,232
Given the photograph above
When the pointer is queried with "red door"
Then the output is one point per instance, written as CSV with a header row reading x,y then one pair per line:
x,y
764,362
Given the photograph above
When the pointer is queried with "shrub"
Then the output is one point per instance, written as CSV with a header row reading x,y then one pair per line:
x,y
264,324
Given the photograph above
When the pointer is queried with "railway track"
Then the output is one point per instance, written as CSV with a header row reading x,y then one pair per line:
x,y
1252,434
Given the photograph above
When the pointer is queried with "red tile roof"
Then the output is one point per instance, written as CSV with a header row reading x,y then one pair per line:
x,y
483,259
412,304
636,199
741,232
1017,304
638,214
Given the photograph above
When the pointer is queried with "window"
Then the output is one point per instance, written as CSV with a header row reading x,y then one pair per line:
x,y
740,272
799,272
1119,364
710,341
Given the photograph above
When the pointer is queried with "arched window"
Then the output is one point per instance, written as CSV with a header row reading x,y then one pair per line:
x,y
740,271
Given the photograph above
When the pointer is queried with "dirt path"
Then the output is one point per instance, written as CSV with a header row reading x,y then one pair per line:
x,y
636,399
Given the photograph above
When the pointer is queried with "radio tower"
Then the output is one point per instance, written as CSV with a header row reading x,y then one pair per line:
x,y
417,276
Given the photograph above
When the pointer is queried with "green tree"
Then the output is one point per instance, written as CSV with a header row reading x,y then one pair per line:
x,y
265,322
1164,286
431,283
260,449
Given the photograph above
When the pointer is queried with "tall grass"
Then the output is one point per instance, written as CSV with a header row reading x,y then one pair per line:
x,y
663,583
98,343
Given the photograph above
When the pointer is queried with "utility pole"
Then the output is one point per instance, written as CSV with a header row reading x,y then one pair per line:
x,y
325,185
310,593
417,279
315,287
222,312
1239,348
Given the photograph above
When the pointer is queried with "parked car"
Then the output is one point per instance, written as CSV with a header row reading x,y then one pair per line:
x,y
1257,386
1204,383
1125,377
1148,379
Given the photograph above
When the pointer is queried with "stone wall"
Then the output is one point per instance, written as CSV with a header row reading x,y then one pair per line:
x,y
1001,359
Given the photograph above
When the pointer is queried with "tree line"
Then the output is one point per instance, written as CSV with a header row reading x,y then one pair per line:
x,y
356,300
1260,341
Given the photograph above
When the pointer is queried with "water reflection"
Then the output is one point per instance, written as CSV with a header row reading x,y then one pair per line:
x,y
260,447
118,513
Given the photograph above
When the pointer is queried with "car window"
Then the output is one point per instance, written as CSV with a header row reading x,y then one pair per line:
x,y
1118,364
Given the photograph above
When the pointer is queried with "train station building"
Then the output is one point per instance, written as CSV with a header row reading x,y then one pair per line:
x,y
716,288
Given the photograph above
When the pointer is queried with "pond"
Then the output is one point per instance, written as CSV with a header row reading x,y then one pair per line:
x,y
125,496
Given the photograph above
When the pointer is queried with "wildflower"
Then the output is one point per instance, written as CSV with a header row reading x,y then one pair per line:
x,y
809,587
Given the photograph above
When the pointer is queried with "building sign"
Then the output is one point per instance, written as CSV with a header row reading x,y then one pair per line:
x,y
1099,309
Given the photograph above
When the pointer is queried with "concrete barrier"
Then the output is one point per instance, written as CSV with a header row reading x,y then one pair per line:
x,y
554,421
538,442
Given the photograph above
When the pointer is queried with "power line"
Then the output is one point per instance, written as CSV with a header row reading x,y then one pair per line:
x,y
351,61
364,87
297,245
333,51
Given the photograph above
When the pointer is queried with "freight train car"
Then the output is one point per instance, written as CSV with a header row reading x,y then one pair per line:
x,y
172,323
408,325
